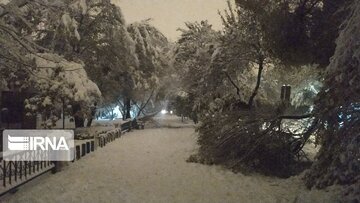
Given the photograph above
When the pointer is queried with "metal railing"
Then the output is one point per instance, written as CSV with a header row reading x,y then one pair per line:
x,y
14,171
127,126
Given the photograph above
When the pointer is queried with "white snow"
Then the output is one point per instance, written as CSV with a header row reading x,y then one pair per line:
x,y
72,74
182,94
70,24
169,121
47,101
107,123
149,166
80,4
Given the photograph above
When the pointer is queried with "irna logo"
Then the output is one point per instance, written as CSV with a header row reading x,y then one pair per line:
x,y
37,143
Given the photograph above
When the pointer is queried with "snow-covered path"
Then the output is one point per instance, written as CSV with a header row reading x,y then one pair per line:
x,y
149,166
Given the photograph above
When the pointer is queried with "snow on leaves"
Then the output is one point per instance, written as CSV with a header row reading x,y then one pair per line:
x,y
58,82
67,74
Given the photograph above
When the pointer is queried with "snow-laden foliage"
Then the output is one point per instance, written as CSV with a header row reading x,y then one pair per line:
x,y
32,27
80,5
193,56
306,82
70,26
150,48
233,84
306,94
233,64
236,65
124,65
339,113
59,82
94,32
15,43
70,74
148,75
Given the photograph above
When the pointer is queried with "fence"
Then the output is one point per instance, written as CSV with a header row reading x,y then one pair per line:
x,y
16,173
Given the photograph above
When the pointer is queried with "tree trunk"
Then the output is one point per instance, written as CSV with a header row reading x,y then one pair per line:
x,y
127,105
92,115
261,67
78,117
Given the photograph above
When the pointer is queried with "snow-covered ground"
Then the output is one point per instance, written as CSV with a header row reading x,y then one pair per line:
x,y
150,166
169,121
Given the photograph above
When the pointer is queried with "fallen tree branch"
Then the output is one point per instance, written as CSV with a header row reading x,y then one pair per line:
x,y
145,104
295,117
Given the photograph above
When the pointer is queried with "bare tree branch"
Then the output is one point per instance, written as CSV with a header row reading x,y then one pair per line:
x,y
234,84
295,117
144,105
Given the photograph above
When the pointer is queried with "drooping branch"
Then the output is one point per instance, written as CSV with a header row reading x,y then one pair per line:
x,y
18,3
140,110
145,104
25,43
17,38
313,128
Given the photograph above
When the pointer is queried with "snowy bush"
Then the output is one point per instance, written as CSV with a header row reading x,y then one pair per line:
x,y
246,145
59,82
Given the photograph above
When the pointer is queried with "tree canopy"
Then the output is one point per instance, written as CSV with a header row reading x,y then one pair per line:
x,y
126,62
233,80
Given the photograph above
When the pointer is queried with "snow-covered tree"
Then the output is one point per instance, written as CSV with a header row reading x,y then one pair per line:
x,y
59,83
338,111
299,32
235,80
152,50
243,52
16,41
24,26
193,59
124,61
95,32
